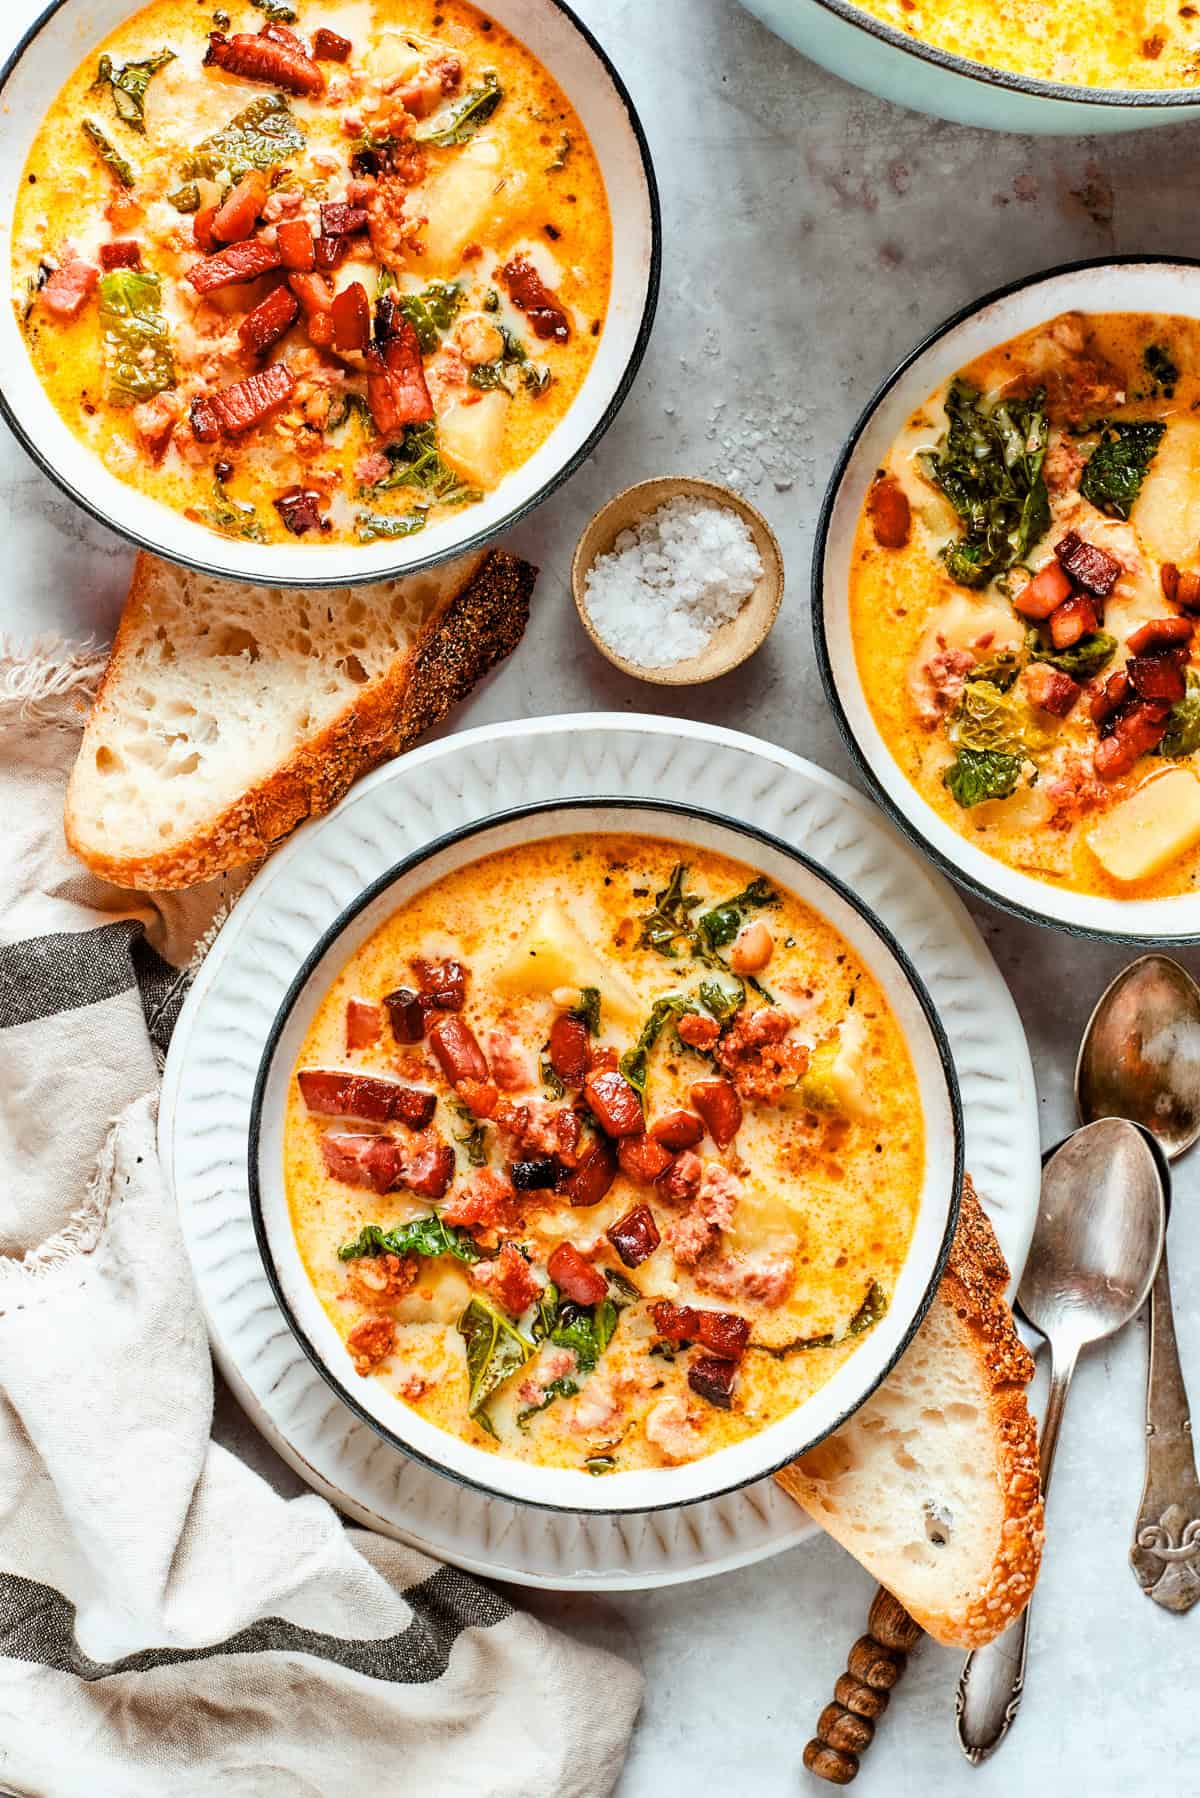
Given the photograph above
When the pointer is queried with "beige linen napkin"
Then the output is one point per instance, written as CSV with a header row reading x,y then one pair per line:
x,y
168,1623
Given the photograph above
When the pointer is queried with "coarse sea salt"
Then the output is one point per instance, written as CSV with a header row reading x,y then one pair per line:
x,y
671,581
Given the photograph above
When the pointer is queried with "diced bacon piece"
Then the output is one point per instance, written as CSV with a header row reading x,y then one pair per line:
x,y
295,240
443,984
334,1093
487,1200
1044,593
509,1279
575,1276
614,1103
530,295
202,231
1160,634
1137,730
722,1333
312,291
270,320
230,267
263,58
767,1277
237,215
330,46
569,1048
713,1380
361,1160
154,419
480,1097
406,1014
425,92
718,1104
1051,689
1181,586
602,1057
427,1165
330,252
70,287
936,685
351,315
372,468
231,411
537,1175
300,509
510,1064
682,1180
698,1032
458,1053
635,1236
588,1183
381,1279
1088,565
678,1130
125,252
398,394
363,1024
1074,619
674,1430
1108,698
371,1342
539,1128
642,1158
340,220
889,512
1072,793
1158,677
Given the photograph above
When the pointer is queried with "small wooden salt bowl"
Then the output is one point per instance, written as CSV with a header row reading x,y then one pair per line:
x,y
733,642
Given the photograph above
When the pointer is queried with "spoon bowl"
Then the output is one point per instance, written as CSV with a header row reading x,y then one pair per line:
x,y
1140,1055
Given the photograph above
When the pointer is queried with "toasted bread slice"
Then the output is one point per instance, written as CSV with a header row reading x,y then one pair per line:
x,y
933,1484
230,713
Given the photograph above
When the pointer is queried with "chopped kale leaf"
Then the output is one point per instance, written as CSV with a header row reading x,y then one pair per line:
x,y
1113,474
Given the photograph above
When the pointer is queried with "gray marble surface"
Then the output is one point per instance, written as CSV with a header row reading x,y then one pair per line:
x,y
812,235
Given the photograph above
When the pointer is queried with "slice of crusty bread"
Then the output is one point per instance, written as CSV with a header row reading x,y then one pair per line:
x,y
933,1485
230,713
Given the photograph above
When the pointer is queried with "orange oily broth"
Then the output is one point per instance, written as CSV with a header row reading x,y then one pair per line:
x,y
895,596
841,1195
1115,44
66,187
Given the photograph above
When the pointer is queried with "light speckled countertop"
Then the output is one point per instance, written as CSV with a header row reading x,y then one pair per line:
x,y
812,235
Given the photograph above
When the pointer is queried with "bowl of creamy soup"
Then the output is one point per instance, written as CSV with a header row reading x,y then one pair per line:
x,y
605,1155
1035,65
320,294
1008,591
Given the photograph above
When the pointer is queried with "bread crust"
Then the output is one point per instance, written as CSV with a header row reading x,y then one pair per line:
x,y
475,629
973,1287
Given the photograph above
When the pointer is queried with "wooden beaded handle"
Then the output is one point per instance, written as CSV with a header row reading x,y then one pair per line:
x,y
845,1728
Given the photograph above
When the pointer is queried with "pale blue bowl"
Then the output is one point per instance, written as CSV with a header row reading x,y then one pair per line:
x,y
860,49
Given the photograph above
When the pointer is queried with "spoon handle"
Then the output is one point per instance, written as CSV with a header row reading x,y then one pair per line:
x,y
1166,1537
993,1677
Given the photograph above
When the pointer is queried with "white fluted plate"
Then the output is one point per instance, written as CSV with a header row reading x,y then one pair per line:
x,y
219,1039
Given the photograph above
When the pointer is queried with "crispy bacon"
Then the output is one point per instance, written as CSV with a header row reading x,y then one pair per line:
x,y
202,231
295,240
443,984
300,509
340,220
334,1093
230,267
539,1128
539,1174
1075,618
406,1015
312,291
1051,689
1181,586
359,1160
722,1333
1159,634
569,1048
237,215
889,512
265,58
397,393
69,288
587,1183
154,420
635,1236
330,46
351,315
682,1179
363,1024
678,1130
123,253
1136,730
233,410
1157,677
270,320
530,295
1044,593
575,1276
427,1165
1088,565
457,1050
713,1380
718,1104
642,1158
614,1103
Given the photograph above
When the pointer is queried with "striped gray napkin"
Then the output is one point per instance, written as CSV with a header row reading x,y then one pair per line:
x,y
168,1623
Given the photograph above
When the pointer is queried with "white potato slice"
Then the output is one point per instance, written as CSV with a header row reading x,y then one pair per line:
x,y
960,622
471,436
1167,511
835,1078
1156,824
553,953
475,195
393,56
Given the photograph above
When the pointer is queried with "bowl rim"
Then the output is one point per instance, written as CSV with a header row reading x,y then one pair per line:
x,y
479,539
898,814
583,804
1058,92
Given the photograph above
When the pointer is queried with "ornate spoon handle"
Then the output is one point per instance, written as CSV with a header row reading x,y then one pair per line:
x,y
1166,1538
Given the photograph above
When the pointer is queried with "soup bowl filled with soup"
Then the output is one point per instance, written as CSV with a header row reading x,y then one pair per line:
x,y
319,300
605,1155
1008,590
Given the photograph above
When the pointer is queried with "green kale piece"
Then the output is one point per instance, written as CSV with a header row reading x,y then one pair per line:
x,y
987,717
416,463
261,136
127,83
564,1387
978,774
511,367
431,312
137,344
1113,474
277,11
989,466
1083,661
1182,737
873,1307
108,153
466,115
496,1350
370,526
232,517
472,1139
634,1063
719,926
588,1009
1160,366
427,1236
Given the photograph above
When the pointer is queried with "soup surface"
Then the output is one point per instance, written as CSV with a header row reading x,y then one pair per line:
x,y
1025,578
644,1205
329,280
1102,43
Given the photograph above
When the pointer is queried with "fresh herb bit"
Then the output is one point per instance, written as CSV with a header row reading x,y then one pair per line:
x,y
599,1464
565,1387
427,1236
277,11
347,405
233,517
127,82
472,1139
261,136
799,1345
496,1350
1000,669
431,311
1113,474
989,466
491,300
137,344
565,144
1083,661
510,367
550,1079
1160,366
185,198
466,116
546,1313
369,526
384,280
873,1307
634,1062
720,1001
588,1009
670,923
416,463
978,774
621,1288
1182,736
719,926
108,153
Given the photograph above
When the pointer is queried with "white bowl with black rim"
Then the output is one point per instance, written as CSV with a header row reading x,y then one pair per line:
x,y
570,1489
50,52
1134,284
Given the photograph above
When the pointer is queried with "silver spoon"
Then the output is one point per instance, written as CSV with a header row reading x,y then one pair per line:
x,y
1140,1059
1096,1244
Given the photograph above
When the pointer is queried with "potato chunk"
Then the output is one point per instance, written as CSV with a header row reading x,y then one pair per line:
x,y
1168,508
1157,823
475,195
471,437
555,953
